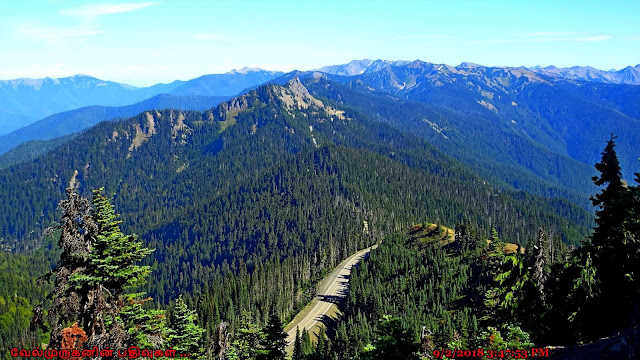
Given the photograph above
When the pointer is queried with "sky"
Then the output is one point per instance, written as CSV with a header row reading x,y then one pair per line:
x,y
147,42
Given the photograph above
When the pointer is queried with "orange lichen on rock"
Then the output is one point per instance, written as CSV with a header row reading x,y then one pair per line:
x,y
73,338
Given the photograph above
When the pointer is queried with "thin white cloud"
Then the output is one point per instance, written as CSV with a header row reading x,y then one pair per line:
x,y
53,34
542,34
96,10
422,36
206,36
594,38
544,39
58,35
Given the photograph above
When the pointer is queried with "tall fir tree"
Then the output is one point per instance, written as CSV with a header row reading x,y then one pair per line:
x,y
247,343
392,342
77,228
606,256
114,255
297,347
275,339
184,334
323,349
539,262
611,203
97,265
307,345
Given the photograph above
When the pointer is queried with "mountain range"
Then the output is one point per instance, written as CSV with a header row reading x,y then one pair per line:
x,y
163,166
23,101
629,75
534,129
569,117
247,200
69,122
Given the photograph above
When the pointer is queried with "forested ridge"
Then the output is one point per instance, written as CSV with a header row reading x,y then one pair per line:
x,y
476,138
247,205
473,293
170,153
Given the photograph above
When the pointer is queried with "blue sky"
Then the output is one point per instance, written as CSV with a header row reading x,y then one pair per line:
x,y
146,42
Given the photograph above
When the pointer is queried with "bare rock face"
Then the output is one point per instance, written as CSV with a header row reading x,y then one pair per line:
x,y
143,134
295,94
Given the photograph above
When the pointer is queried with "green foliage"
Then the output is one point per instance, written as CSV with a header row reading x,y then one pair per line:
x,y
512,286
146,327
19,292
306,345
427,286
612,202
510,337
248,340
605,290
323,347
113,255
96,265
297,347
391,341
275,339
183,333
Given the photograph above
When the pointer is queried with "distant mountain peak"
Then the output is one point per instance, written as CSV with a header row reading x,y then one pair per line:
x,y
417,63
294,93
628,75
468,65
359,67
246,70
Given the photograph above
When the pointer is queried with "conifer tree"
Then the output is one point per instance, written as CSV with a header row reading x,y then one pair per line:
x,y
307,346
322,347
184,334
611,203
297,347
114,255
76,229
609,249
275,339
248,339
539,262
392,341
97,264
146,327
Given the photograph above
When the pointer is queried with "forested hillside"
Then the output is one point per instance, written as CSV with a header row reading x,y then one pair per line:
x,y
73,121
475,293
155,164
513,126
556,114
511,161
248,204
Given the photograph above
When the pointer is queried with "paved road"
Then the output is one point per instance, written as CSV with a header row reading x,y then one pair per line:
x,y
332,288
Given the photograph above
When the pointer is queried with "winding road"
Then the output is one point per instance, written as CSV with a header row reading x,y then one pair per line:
x,y
332,289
